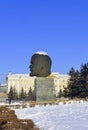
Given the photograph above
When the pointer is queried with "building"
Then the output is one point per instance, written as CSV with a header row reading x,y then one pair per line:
x,y
3,92
60,81
19,81
3,88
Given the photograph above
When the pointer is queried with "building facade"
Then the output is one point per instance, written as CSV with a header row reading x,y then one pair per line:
x,y
60,81
19,81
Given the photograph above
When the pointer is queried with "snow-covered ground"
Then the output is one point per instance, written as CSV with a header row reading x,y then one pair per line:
x,y
69,116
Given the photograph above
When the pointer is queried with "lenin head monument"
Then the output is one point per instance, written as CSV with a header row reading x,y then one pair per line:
x,y
40,66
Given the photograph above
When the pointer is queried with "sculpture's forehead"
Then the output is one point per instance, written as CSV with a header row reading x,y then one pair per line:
x,y
38,57
41,58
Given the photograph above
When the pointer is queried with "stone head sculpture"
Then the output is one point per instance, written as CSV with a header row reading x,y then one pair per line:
x,y
40,65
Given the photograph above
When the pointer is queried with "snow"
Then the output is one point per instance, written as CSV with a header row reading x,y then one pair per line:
x,y
69,116
41,53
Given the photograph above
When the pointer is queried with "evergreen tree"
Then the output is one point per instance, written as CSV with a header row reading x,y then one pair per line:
x,y
72,90
11,94
25,95
22,94
78,83
60,94
83,81
30,95
15,94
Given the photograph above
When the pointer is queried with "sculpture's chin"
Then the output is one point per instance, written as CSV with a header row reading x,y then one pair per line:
x,y
40,74
31,74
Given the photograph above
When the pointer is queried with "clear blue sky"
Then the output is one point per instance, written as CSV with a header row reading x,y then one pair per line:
x,y
58,27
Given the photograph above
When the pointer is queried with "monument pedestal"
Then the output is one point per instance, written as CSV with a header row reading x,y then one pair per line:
x,y
44,89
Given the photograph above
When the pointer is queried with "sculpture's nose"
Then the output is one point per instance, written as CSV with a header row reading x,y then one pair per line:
x,y
31,67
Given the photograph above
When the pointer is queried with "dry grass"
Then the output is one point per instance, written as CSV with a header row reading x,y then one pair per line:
x,y
9,121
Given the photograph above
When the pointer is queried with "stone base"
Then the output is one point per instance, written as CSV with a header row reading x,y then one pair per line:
x,y
44,89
